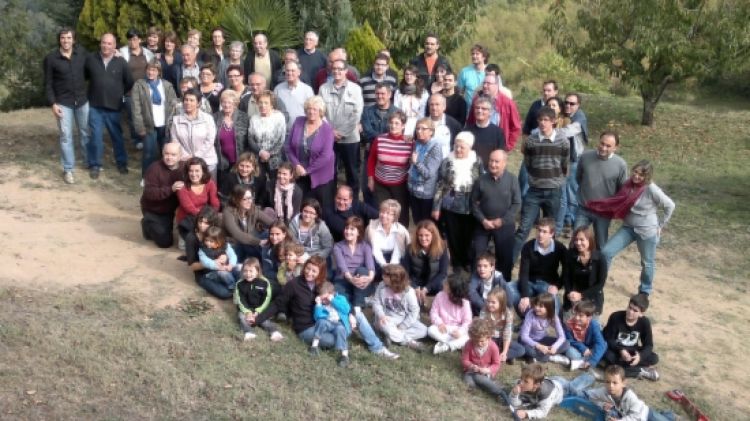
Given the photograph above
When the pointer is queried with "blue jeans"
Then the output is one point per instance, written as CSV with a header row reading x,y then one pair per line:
x,y
547,200
576,386
152,144
354,295
547,341
80,116
646,247
536,287
326,340
585,217
337,329
523,180
568,199
98,119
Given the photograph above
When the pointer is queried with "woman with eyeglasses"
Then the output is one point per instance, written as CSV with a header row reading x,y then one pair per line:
x,y
423,173
242,220
311,231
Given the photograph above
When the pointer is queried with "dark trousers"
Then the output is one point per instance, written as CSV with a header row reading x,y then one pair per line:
x,y
323,193
347,155
458,230
612,357
503,239
158,228
399,193
420,208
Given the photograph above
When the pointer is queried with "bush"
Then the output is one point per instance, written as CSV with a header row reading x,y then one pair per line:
x,y
362,46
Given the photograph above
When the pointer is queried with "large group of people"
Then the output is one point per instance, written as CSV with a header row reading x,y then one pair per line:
x,y
293,181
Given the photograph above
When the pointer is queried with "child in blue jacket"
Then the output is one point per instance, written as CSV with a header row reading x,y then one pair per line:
x,y
583,332
331,316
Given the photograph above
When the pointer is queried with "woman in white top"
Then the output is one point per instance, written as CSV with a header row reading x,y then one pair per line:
x,y
387,236
267,134
411,98
195,131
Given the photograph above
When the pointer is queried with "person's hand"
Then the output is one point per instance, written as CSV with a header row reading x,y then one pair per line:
x,y
383,321
552,350
353,322
337,135
497,222
436,215
636,359
587,353
300,170
456,333
523,305
57,111
371,183
178,185
516,390
264,242
574,296
625,355
552,289
504,356
443,328
249,318
414,157
521,414
487,224
318,300
264,155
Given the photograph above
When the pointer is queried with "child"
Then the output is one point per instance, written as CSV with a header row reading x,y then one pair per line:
x,y
396,309
619,401
629,340
331,316
501,317
484,280
481,358
294,257
535,393
252,296
533,335
450,316
587,345
286,196
218,257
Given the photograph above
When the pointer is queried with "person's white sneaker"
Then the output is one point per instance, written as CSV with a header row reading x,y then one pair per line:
x,y
575,364
559,359
181,244
386,353
277,336
68,177
249,336
441,347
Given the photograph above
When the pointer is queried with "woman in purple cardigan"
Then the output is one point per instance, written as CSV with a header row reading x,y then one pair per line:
x,y
310,150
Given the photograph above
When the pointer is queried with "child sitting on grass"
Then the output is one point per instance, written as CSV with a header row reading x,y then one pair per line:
x,y
501,317
450,316
534,393
480,358
292,256
331,316
396,309
629,340
252,296
533,335
218,257
587,345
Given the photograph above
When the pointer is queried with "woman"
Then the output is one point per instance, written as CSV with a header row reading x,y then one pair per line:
x,y
171,56
231,133
355,268
235,57
245,172
199,191
208,280
297,300
153,41
151,111
311,231
637,204
195,131
423,174
387,236
277,234
310,150
210,89
585,272
437,85
426,261
411,98
388,165
452,203
236,80
241,222
267,134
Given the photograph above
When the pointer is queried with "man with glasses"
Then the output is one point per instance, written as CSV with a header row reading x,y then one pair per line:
x,y
488,136
504,112
569,199
428,62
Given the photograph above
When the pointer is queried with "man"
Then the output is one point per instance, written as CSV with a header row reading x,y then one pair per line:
x,y
487,135
446,127
494,69
189,67
374,123
137,58
578,142
344,104
325,74
378,75
264,61
471,77
345,206
310,58
428,61
455,104
545,155
249,103
504,111
216,54
65,87
495,201
293,93
109,78
159,199
549,90
280,76
600,174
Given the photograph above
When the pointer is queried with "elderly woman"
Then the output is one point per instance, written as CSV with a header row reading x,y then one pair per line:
x,y
310,230
388,165
267,134
241,218
235,57
231,133
387,236
637,204
151,111
236,80
199,191
245,172
452,201
210,88
195,131
423,174
310,150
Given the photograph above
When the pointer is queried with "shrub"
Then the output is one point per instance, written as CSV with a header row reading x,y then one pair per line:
x,y
362,46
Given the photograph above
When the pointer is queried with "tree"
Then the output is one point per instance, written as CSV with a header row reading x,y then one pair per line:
x,y
402,25
316,15
271,17
362,46
651,44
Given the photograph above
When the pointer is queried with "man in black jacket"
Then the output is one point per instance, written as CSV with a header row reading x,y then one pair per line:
x,y
344,207
109,79
264,61
429,60
65,88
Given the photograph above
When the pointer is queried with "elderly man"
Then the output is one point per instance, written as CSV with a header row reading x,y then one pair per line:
x,y
495,201
326,75
159,199
345,206
446,127
257,85
264,61
65,87
428,62
310,58
504,112
487,135
137,58
109,79
344,104
293,93
190,66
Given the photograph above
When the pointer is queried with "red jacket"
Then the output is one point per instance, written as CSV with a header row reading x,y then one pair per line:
x,y
490,358
510,122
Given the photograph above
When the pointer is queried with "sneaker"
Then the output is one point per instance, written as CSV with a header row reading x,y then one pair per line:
x,y
649,373
143,183
314,351
249,336
94,172
575,364
441,347
559,359
386,353
68,177
343,361
122,169
596,374
277,336
181,244
281,317
415,346
139,146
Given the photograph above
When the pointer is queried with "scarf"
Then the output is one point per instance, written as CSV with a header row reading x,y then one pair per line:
x,y
579,332
284,209
408,89
462,169
155,95
617,206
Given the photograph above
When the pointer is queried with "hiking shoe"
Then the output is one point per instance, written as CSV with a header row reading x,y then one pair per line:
x,y
94,172
68,177
314,351
415,346
575,364
440,348
249,336
559,359
649,373
343,361
122,169
386,353
277,336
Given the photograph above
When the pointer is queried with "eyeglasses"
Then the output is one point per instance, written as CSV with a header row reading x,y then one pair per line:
x,y
423,128
482,108
309,212
233,76
338,69
570,103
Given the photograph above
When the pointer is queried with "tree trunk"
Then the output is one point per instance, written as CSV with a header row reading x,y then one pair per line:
x,y
647,118
651,94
